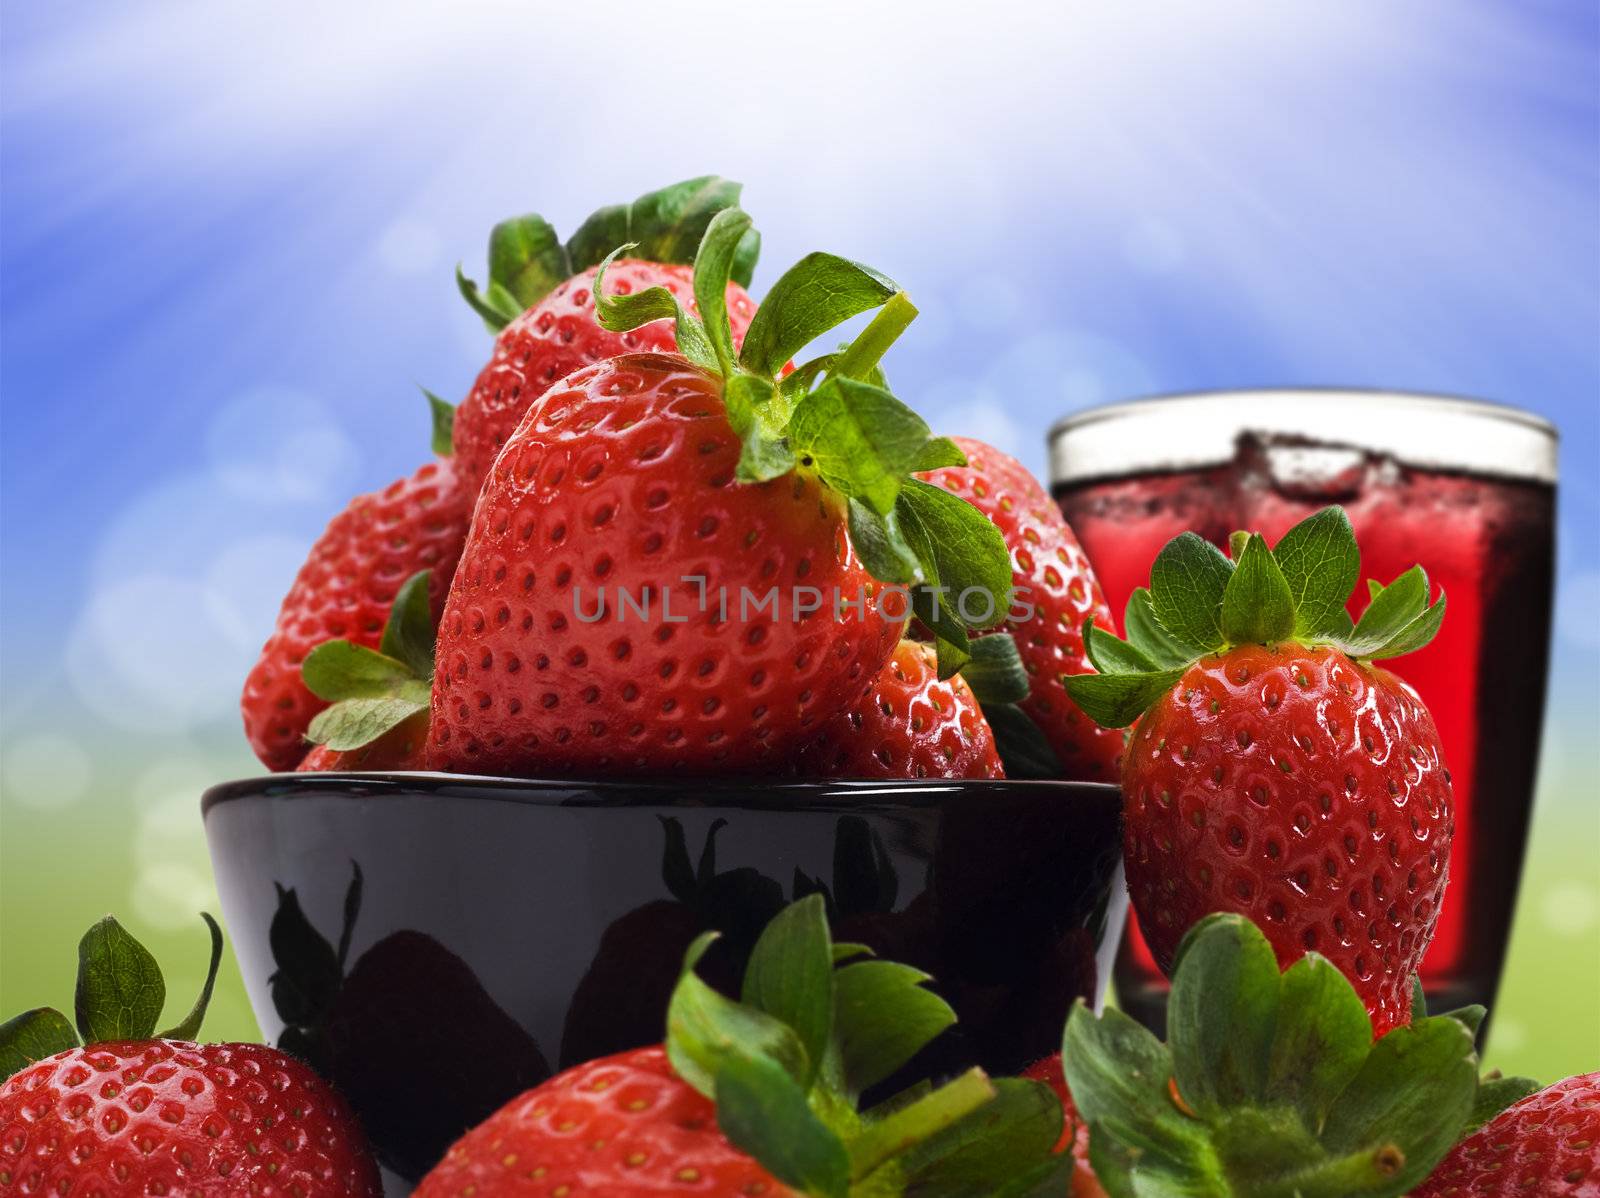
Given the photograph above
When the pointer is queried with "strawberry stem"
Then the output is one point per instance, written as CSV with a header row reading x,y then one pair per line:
x,y
889,1137
1358,1173
862,354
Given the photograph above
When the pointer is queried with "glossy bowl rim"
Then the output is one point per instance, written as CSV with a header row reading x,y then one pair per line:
x,y
704,794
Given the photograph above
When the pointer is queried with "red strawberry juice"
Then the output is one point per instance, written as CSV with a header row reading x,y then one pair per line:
x,y
1465,489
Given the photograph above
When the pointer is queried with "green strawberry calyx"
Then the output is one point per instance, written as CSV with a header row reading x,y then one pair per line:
x,y
120,996
1270,1084
1202,602
372,691
999,681
815,1026
835,419
527,259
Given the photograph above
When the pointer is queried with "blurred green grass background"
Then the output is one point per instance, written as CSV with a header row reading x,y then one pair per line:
x,y
127,837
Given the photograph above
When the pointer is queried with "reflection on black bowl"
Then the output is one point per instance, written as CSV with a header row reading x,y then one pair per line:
x,y
437,944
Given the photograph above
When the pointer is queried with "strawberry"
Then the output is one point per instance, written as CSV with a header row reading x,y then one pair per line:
x,y
911,724
623,1124
540,302
377,713
760,1096
659,573
1546,1144
1274,769
129,1113
345,590
1075,1132
555,337
1271,1082
1056,591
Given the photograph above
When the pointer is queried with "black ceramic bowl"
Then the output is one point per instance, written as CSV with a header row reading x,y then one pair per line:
x,y
437,943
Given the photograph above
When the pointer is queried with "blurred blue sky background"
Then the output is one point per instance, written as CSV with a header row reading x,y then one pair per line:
x,y
227,234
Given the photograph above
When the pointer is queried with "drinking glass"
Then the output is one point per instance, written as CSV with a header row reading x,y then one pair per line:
x,y
1463,487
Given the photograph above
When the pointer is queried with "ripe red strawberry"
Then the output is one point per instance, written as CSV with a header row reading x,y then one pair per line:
x,y
143,1115
345,590
737,1103
1053,577
1546,1144
622,1125
1274,770
909,725
659,574
1074,1131
539,301
556,336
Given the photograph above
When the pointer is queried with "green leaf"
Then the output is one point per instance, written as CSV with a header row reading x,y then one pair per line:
x,y
1322,1036
705,1031
754,411
816,294
341,669
33,1036
667,225
860,439
619,313
938,454
189,1028
408,635
1414,635
352,723
790,976
444,423
1007,1137
880,545
950,657
1494,1096
1414,1091
1392,610
496,306
1321,563
1111,655
995,672
882,1018
1471,1017
120,991
1221,1013
527,259
1025,751
1257,608
712,266
1187,582
1117,1073
763,1111
960,550
1117,700
1145,633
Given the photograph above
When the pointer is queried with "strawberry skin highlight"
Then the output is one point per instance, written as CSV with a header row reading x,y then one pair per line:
x,y
1048,562
558,335
622,477
1304,791
345,589
910,725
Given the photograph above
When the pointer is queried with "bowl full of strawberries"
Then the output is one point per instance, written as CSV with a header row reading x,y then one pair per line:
x,y
677,626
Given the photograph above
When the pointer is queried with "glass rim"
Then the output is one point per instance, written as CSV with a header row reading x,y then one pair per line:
x,y
1180,430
